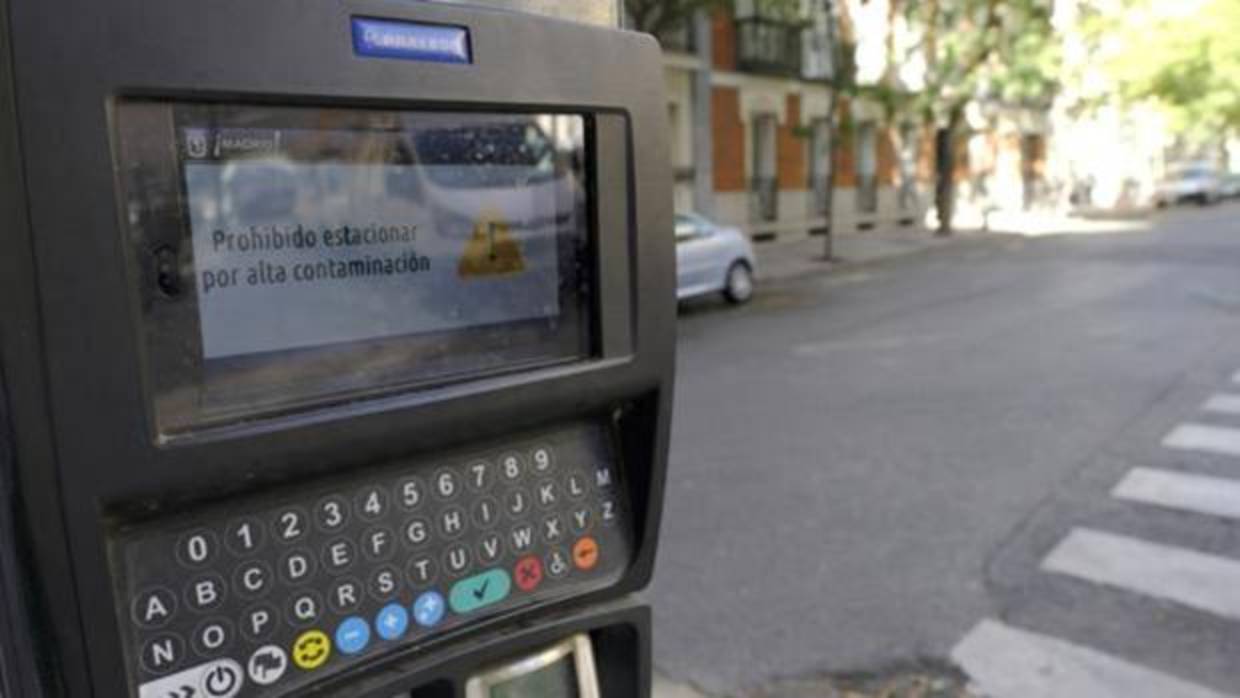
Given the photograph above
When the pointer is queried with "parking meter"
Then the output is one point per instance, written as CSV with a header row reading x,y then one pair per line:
x,y
337,350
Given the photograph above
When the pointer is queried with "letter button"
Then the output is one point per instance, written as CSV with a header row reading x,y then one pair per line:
x,y
338,555
486,511
297,566
383,584
456,559
153,608
548,493
452,522
252,579
581,520
211,636
480,591
205,593
575,486
257,622
304,608
163,653
378,543
345,596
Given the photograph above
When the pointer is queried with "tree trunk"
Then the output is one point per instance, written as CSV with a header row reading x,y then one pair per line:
x,y
945,169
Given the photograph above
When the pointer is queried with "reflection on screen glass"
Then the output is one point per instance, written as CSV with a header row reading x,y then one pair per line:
x,y
329,251
558,680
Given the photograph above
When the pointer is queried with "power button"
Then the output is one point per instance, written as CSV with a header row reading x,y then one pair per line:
x,y
222,680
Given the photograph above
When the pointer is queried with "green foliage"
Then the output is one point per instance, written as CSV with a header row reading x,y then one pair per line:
x,y
1183,56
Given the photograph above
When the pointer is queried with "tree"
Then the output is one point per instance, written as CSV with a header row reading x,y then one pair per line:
x,y
1191,70
661,16
1000,50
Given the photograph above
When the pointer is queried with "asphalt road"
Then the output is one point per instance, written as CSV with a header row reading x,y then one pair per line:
x,y
865,464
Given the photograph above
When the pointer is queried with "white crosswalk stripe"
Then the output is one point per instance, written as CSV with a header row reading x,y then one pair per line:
x,y
1205,438
1206,582
1007,662
1200,494
1223,403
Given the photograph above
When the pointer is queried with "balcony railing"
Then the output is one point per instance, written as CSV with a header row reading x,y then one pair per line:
x,y
768,46
764,199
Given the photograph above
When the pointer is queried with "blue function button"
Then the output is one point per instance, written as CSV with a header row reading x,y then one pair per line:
x,y
429,609
352,635
392,622
480,591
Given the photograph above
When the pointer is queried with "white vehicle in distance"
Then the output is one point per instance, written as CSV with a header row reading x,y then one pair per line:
x,y
1195,182
712,259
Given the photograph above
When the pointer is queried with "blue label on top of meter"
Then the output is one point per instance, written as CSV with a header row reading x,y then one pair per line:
x,y
385,38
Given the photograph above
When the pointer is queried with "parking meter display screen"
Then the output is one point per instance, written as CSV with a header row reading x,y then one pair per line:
x,y
295,254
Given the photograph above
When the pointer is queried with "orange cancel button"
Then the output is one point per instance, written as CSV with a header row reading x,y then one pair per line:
x,y
585,553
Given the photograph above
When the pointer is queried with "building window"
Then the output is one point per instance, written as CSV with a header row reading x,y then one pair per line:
x,y
867,167
764,187
820,167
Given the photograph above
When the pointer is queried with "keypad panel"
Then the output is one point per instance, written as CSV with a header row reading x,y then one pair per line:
x,y
259,596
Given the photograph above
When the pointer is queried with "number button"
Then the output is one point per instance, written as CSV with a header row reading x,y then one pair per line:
x,y
244,536
290,524
446,484
153,608
543,459
253,579
410,493
205,593
479,474
332,513
512,467
211,636
371,503
196,548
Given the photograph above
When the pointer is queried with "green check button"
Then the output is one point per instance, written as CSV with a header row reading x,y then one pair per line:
x,y
480,591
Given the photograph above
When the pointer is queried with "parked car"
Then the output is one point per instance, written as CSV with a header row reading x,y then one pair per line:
x,y
1199,183
711,258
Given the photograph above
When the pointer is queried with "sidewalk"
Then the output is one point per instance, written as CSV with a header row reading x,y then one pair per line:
x,y
786,260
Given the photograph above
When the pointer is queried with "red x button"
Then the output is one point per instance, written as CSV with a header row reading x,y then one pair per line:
x,y
528,572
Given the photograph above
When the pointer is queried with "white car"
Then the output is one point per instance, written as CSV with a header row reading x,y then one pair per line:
x,y
712,259
1199,183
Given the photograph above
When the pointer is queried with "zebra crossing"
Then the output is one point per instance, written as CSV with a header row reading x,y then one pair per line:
x,y
1005,661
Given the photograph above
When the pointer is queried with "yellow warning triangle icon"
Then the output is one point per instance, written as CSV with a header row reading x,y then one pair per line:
x,y
491,250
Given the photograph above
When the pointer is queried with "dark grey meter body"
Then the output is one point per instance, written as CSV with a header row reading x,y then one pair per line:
x,y
336,347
